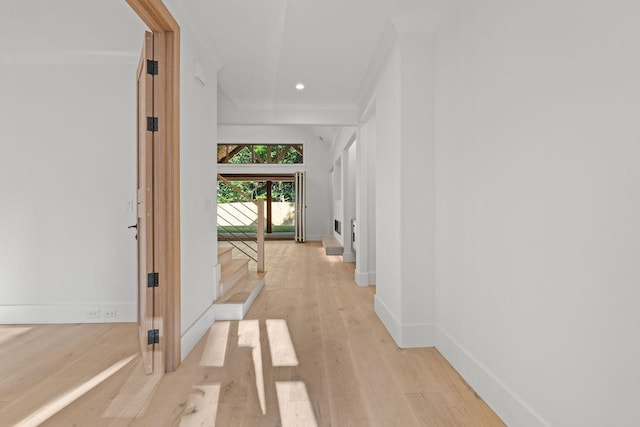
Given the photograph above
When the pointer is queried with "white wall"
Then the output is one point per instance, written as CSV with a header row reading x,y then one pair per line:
x,y
198,129
343,157
67,169
197,187
387,159
365,199
417,189
405,191
316,165
349,205
538,186
337,197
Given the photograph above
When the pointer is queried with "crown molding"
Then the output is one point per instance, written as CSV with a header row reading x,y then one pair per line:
x,y
265,105
385,45
422,21
287,114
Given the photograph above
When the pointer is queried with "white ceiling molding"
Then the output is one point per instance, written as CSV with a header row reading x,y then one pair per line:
x,y
387,41
260,168
342,137
368,110
258,105
234,113
228,114
259,140
413,21
325,134
224,102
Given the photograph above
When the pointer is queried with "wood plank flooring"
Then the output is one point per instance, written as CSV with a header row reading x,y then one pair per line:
x,y
41,363
348,372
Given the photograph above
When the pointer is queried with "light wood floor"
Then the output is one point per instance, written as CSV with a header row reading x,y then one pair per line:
x,y
349,371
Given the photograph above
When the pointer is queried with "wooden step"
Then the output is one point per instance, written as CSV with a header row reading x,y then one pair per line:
x,y
224,254
230,273
234,304
332,246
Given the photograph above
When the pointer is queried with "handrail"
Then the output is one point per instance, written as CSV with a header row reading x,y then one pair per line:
x,y
235,188
236,233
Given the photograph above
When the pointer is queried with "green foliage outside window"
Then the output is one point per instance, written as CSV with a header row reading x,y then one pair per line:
x,y
266,154
281,191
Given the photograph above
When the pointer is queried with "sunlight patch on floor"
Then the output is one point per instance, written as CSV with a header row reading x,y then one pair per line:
x,y
249,336
295,406
202,407
7,333
135,394
216,348
293,400
56,405
282,351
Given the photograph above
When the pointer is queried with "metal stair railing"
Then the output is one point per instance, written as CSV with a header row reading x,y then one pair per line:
x,y
250,243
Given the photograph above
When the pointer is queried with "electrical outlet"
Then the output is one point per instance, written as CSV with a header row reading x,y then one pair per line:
x,y
111,313
93,314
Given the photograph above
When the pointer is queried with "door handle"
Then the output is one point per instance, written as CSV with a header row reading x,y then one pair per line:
x,y
133,226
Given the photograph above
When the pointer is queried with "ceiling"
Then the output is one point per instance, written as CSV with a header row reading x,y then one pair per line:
x,y
266,46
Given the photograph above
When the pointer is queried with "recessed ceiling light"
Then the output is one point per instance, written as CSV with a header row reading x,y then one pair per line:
x,y
300,86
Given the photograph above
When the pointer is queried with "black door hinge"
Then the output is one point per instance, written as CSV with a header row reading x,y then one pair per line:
x,y
153,280
152,124
153,336
152,67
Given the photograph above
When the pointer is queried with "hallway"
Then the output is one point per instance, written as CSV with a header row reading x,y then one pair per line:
x,y
339,367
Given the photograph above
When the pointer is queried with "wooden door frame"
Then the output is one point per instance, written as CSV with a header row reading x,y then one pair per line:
x,y
167,187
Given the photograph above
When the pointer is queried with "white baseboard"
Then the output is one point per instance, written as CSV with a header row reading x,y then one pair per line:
x,y
418,335
239,310
365,278
229,312
196,331
504,401
388,319
362,279
348,257
409,335
315,237
67,313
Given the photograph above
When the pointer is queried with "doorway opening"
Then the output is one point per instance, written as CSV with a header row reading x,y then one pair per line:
x,y
235,218
166,337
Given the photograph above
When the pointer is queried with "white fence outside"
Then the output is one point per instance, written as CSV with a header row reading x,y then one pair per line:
x,y
282,213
